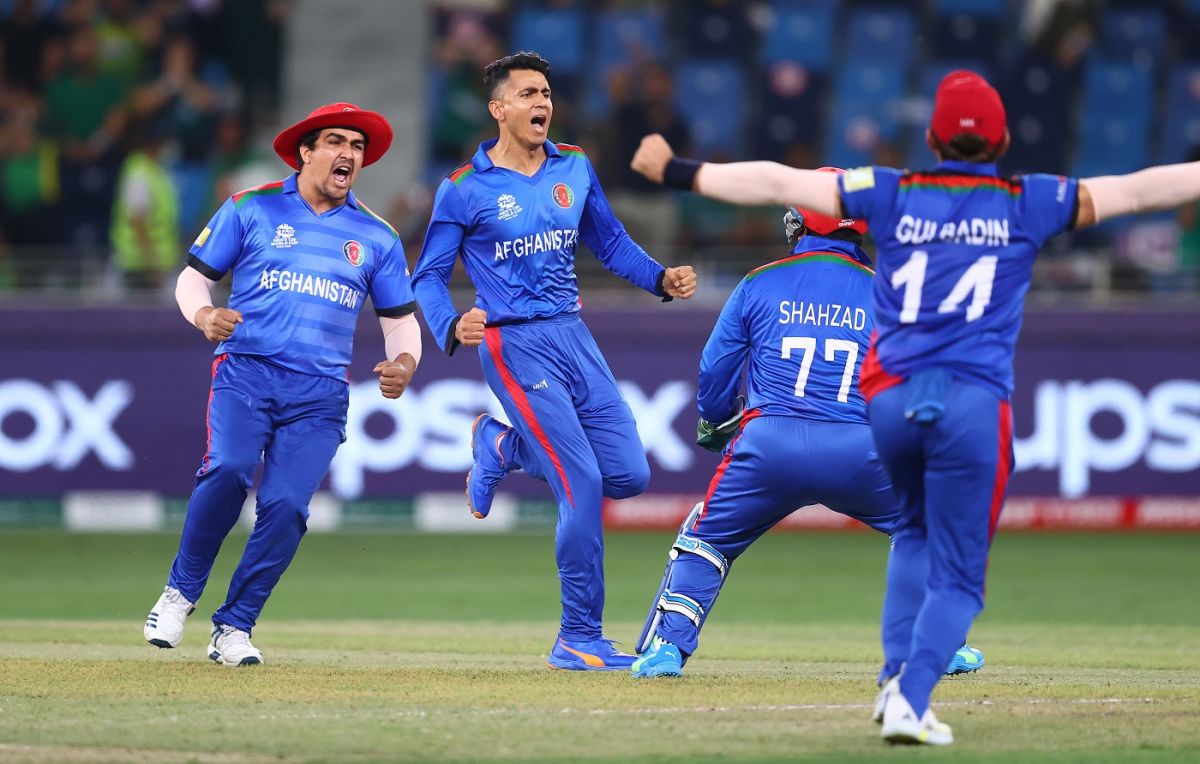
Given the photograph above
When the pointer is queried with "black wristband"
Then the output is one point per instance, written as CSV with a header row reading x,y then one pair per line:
x,y
681,173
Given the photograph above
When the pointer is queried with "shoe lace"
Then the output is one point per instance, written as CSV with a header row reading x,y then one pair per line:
x,y
175,598
231,637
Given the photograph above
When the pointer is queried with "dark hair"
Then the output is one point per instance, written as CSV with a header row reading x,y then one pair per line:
x,y
967,147
842,234
309,139
496,73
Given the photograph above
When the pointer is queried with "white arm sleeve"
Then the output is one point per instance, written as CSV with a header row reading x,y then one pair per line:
x,y
401,335
770,183
1155,188
193,291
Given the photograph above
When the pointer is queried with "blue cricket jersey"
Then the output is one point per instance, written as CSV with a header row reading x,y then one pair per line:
x,y
299,278
805,323
517,237
955,256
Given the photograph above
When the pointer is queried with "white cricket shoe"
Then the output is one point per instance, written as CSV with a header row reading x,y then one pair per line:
x,y
901,725
232,647
889,688
164,624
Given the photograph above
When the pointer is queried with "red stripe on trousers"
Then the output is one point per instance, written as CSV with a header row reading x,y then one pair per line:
x,y
491,336
724,465
1003,466
208,413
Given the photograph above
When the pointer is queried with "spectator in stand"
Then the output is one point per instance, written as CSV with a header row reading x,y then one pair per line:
x,y
462,118
85,113
644,105
28,190
145,216
24,36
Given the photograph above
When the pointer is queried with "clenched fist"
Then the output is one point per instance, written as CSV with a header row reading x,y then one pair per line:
x,y
394,376
680,282
469,330
652,157
217,323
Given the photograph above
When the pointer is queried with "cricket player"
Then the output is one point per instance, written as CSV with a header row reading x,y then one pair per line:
x,y
305,254
798,329
956,250
515,214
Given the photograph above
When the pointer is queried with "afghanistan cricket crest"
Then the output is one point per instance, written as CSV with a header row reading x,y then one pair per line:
x,y
563,195
354,253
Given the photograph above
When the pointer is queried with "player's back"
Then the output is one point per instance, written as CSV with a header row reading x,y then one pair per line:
x,y
956,252
809,322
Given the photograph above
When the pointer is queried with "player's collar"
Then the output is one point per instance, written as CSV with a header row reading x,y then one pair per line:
x,y
812,243
481,161
291,185
968,168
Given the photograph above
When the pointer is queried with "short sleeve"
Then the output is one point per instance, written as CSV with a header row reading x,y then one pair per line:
x,y
217,247
869,193
391,287
1049,204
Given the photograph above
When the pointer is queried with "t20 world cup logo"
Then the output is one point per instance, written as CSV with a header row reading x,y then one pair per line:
x,y
354,253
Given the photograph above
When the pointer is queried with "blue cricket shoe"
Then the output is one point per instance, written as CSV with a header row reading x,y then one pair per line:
x,y
965,661
590,655
662,659
489,467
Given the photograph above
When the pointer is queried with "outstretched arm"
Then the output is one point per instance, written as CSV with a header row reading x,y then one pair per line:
x,y
743,183
1155,188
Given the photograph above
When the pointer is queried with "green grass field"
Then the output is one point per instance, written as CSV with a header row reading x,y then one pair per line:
x,y
418,647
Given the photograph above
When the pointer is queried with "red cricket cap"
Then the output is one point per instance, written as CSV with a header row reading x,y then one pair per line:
x,y
823,225
966,103
371,124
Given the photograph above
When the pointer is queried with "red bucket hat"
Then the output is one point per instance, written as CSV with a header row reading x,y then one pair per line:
x,y
823,225
371,124
966,103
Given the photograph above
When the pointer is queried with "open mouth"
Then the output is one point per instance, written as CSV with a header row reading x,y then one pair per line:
x,y
341,174
539,124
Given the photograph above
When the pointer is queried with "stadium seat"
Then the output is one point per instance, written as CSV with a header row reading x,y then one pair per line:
x,y
1134,35
968,29
621,38
791,97
920,109
710,95
1181,123
556,34
1114,119
1039,97
881,35
868,102
800,31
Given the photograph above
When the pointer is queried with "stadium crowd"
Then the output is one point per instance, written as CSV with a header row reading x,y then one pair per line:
x,y
123,123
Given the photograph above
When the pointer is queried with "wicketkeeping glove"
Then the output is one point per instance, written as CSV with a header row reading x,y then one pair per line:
x,y
714,437
793,225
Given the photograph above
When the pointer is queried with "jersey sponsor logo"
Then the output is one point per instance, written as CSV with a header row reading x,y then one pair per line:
x,y
557,239
354,252
507,207
285,236
306,283
981,232
858,179
822,314
203,237
563,195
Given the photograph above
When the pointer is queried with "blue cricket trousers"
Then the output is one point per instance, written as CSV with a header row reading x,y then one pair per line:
x,y
256,409
950,476
571,428
774,466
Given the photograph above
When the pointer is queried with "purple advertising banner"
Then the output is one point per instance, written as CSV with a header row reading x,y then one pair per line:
x,y
1107,404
